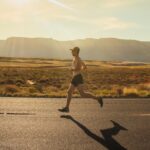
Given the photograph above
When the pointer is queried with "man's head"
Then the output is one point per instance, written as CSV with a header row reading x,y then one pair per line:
x,y
75,51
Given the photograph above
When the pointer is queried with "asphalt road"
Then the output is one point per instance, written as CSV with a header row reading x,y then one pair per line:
x,y
35,124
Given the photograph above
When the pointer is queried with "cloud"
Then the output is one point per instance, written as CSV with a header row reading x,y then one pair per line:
x,y
7,18
60,4
105,23
91,17
115,23
117,3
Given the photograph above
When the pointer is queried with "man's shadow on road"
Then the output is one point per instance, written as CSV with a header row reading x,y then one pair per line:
x,y
107,141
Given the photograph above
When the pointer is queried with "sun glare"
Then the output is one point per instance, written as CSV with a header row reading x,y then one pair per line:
x,y
18,2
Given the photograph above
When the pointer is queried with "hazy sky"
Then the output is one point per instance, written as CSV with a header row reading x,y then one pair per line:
x,y
75,19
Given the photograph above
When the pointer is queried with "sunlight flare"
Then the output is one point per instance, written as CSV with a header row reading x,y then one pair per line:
x,y
60,4
18,2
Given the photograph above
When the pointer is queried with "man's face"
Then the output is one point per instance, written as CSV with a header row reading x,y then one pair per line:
x,y
74,53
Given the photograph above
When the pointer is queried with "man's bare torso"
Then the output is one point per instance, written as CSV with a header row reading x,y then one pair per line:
x,y
77,65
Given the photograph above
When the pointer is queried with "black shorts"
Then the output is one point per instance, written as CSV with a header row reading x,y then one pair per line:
x,y
77,79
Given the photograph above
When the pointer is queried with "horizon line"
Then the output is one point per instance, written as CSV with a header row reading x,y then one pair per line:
x,y
74,39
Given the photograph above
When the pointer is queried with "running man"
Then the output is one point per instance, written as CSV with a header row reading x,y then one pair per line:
x,y
77,81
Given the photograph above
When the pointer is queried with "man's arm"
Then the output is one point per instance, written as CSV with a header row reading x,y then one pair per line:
x,y
83,65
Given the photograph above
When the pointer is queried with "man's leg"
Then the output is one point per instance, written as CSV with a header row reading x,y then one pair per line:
x,y
89,95
69,96
85,94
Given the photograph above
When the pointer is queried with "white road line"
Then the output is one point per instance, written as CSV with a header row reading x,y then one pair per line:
x,y
144,114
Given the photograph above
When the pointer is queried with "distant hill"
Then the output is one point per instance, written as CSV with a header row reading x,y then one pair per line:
x,y
108,49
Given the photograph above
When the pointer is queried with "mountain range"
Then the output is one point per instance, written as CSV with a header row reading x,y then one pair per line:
x,y
105,49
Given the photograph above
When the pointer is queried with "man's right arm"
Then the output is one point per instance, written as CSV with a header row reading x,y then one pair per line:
x,y
83,65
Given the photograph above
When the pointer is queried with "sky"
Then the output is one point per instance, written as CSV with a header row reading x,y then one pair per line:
x,y
75,19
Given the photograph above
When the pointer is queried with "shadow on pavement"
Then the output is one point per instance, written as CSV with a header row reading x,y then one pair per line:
x,y
107,140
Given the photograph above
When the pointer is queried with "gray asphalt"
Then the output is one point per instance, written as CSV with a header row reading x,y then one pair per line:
x,y
36,124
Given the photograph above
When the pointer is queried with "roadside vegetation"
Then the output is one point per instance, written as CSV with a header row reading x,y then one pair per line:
x,y
50,78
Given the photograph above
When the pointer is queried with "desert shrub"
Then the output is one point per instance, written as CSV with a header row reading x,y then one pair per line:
x,y
120,91
20,82
2,81
32,90
104,92
130,92
11,89
43,81
143,93
144,86
9,81
53,89
39,87
131,95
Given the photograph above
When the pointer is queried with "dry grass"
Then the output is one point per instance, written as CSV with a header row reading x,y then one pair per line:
x,y
51,78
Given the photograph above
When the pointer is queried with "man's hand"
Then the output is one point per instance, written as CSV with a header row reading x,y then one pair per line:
x,y
83,65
